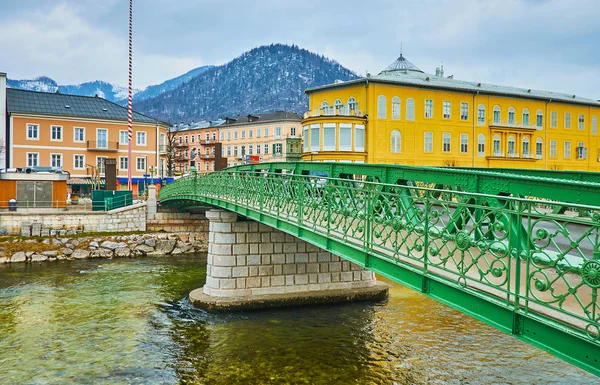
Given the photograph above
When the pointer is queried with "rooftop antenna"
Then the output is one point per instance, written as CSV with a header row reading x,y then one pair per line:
x,y
400,48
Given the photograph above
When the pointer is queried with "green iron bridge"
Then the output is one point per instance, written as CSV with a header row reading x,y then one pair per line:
x,y
519,250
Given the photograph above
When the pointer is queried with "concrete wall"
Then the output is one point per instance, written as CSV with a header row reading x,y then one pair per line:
x,y
131,218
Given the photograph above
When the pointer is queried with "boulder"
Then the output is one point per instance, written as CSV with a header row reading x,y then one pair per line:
x,y
112,245
122,252
50,253
165,246
4,260
29,253
80,254
75,242
102,253
94,244
56,242
18,257
66,251
39,258
144,249
150,242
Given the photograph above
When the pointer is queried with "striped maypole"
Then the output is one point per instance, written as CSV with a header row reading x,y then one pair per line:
x,y
130,100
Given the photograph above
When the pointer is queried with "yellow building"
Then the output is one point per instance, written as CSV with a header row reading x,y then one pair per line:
x,y
78,134
405,116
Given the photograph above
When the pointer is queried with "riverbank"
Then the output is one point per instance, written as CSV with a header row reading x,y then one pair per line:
x,y
82,246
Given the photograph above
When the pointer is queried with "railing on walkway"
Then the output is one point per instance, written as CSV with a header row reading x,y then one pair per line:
x,y
503,256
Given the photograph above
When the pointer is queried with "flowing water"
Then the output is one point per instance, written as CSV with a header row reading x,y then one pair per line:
x,y
129,322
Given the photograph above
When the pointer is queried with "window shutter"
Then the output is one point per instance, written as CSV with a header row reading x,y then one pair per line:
x,y
273,152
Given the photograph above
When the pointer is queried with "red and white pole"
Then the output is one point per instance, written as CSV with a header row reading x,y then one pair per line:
x,y
130,100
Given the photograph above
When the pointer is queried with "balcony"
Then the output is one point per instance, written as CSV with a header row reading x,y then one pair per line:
x,y
180,145
505,124
332,111
206,156
163,149
104,146
181,157
514,155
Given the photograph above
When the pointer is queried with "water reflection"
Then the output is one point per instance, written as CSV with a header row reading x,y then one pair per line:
x,y
129,322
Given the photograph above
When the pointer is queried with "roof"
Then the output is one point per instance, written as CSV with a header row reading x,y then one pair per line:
x,y
241,121
56,104
417,78
402,64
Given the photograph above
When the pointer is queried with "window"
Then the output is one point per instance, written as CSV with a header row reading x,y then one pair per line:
x,y
101,138
250,149
539,146
511,146
352,105
101,164
497,146
243,150
328,136
567,153
123,163
266,132
277,149
277,132
235,134
266,147
396,142
186,139
123,137
410,109
56,133
581,124
481,114
381,107
496,114
337,105
553,119
243,135
552,148
258,132
447,109
567,120
140,164
525,117
199,138
79,134
235,150
539,119
581,151
229,135
315,137
396,108
250,132
222,136
428,142
481,145
464,143
429,108
359,137
511,116
32,159
446,142
33,131
228,150
594,125
257,149
324,107
305,135
464,111
180,139
525,147
79,162
192,137
345,137
293,132
141,138
56,160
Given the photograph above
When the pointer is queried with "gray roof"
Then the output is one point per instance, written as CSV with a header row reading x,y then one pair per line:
x,y
415,78
55,104
402,64
242,120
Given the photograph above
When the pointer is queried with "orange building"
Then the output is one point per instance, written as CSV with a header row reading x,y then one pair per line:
x,y
78,133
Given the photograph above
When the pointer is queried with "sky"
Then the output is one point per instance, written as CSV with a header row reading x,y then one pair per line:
x,y
549,45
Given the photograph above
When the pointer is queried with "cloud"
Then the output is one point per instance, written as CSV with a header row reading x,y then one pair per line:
x,y
547,44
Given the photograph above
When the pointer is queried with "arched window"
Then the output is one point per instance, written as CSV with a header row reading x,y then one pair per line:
x,y
396,142
525,117
381,107
539,118
497,146
594,125
481,145
410,109
497,114
511,116
511,146
396,108
538,148
325,107
352,105
481,114
338,106
525,147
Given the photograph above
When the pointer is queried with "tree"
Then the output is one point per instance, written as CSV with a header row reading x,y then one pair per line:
x,y
171,151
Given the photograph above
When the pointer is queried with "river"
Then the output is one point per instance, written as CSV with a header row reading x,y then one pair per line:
x,y
128,321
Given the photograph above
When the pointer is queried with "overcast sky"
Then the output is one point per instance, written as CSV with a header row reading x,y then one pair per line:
x,y
551,45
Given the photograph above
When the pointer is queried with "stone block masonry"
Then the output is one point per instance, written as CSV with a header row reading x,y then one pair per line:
x,y
249,262
178,222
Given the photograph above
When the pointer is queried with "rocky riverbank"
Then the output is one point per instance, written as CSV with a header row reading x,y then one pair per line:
x,y
116,246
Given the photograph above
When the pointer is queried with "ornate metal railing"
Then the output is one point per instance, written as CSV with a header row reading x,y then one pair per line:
x,y
524,265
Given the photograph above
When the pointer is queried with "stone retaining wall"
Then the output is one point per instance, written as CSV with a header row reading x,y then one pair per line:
x,y
125,219
178,222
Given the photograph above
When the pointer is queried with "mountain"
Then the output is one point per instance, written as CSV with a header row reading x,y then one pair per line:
x,y
103,89
265,79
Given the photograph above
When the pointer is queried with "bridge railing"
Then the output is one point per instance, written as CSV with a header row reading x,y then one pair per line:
x,y
519,254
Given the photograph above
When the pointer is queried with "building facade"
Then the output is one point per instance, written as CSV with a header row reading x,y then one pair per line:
x,y
405,116
78,134
197,145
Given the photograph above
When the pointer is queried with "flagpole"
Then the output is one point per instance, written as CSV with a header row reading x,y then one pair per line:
x,y
130,100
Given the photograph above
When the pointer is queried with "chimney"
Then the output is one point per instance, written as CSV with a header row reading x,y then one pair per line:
x,y
3,146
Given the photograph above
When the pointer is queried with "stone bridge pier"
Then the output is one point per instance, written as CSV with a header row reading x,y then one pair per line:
x,y
251,265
